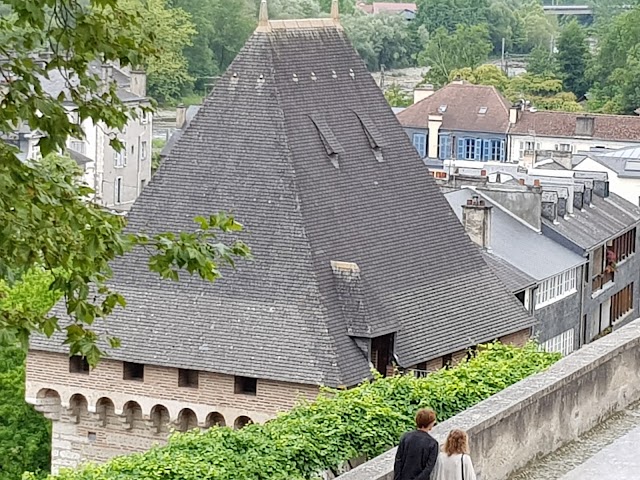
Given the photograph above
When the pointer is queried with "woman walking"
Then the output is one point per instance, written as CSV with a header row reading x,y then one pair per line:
x,y
454,462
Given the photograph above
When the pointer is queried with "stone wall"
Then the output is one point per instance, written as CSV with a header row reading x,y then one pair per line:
x,y
97,414
543,412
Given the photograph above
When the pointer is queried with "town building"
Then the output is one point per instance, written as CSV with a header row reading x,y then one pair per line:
x,y
622,167
358,261
117,177
506,222
460,120
576,211
570,132
407,10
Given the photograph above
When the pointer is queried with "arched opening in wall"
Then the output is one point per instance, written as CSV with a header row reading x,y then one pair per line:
x,y
48,402
160,419
133,415
215,419
79,407
241,422
187,420
106,410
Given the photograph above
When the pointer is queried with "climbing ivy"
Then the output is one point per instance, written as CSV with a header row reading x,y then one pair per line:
x,y
321,435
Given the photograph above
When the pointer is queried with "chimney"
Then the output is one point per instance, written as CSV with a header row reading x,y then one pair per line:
x,y
335,11
578,198
138,82
550,206
435,122
601,188
420,93
476,218
562,207
584,126
514,114
588,189
106,75
181,116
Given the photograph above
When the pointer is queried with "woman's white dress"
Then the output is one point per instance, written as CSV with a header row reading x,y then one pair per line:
x,y
451,467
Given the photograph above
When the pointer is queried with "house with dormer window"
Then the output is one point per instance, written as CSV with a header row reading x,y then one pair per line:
x,y
460,121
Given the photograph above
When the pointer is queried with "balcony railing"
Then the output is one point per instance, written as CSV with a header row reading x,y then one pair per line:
x,y
601,280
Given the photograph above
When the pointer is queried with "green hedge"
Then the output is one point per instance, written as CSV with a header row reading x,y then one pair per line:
x,y
338,426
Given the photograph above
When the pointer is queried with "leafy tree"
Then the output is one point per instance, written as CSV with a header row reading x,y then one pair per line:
x,y
449,14
345,6
24,434
545,92
572,57
445,52
611,70
44,216
294,9
380,39
172,30
397,97
541,62
539,28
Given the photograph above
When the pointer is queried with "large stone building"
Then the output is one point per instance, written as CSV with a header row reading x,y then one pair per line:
x,y
359,262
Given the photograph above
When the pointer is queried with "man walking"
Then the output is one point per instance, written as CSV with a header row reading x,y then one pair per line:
x,y
418,450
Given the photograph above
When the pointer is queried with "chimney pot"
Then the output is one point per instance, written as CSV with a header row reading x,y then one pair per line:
x,y
521,181
536,183
469,202
483,173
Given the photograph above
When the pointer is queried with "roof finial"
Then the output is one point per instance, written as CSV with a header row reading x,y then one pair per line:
x,y
335,11
263,19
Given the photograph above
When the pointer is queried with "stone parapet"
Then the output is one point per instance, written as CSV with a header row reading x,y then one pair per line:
x,y
543,412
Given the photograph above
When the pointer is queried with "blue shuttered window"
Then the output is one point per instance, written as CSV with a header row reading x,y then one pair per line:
x,y
420,143
502,151
477,154
486,149
444,147
461,145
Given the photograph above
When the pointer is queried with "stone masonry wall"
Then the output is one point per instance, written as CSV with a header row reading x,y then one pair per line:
x,y
97,415
541,413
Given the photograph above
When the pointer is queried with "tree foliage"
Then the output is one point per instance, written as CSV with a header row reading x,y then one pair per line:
x,y
25,435
45,217
397,97
615,67
572,57
545,92
446,52
381,39
338,426
172,31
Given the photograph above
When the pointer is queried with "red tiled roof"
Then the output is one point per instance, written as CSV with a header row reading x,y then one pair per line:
x,y
463,102
563,124
387,7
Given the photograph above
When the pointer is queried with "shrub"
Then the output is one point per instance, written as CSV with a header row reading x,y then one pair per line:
x,y
339,425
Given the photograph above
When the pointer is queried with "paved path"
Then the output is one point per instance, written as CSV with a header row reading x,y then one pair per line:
x,y
619,461
611,451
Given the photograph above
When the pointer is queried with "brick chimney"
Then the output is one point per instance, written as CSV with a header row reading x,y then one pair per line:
x,y
420,93
550,206
476,218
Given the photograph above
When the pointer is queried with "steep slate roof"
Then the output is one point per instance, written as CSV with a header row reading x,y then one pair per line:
x,y
299,143
517,244
592,226
563,124
463,101
514,279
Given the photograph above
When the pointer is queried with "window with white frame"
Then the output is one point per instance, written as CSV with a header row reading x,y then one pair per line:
x,y
564,147
120,157
118,190
556,288
78,146
528,147
563,343
143,150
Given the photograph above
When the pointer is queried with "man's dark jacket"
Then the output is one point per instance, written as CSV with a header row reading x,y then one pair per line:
x,y
416,456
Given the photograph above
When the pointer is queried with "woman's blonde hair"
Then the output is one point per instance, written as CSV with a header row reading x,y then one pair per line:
x,y
457,442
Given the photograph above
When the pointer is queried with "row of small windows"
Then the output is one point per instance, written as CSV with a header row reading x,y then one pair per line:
x,y
466,148
186,378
